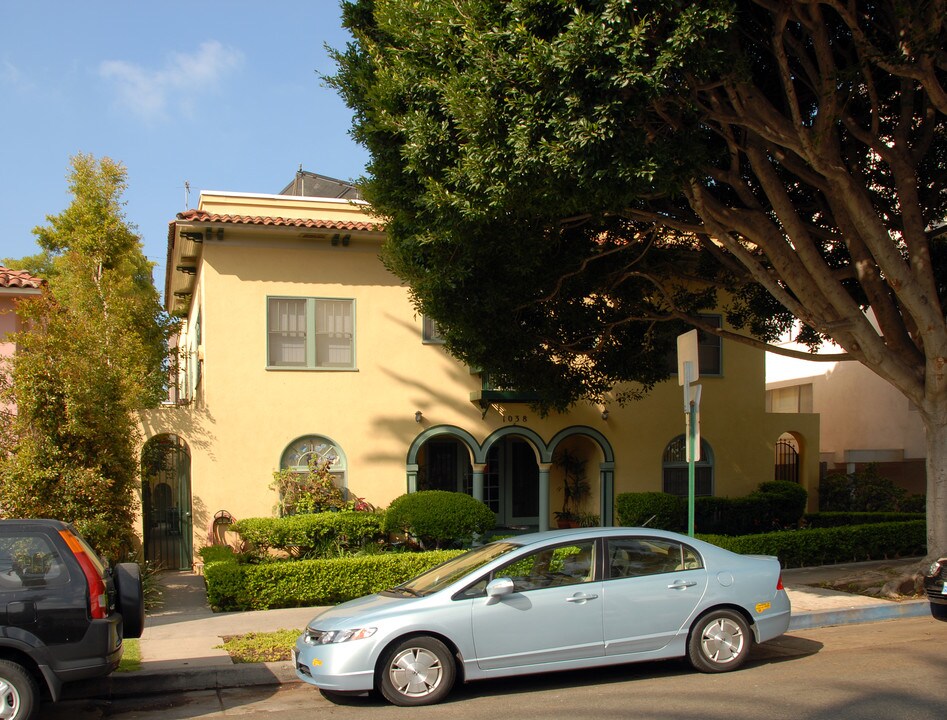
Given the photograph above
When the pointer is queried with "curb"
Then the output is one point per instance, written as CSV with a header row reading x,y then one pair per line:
x,y
154,682
890,610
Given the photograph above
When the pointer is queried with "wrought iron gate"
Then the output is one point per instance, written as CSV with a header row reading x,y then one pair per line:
x,y
166,502
787,461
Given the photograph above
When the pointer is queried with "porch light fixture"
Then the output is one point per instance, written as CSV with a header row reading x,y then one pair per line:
x,y
418,416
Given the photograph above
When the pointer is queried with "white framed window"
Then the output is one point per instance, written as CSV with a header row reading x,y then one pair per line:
x,y
299,453
310,333
430,332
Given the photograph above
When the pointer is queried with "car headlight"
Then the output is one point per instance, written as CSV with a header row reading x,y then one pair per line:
x,y
329,637
934,569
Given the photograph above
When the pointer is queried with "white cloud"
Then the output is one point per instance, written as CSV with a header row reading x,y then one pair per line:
x,y
153,94
11,76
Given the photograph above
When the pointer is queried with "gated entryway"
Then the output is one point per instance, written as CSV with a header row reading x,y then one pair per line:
x,y
787,459
166,502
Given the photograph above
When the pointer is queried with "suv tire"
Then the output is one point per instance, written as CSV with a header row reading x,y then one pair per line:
x,y
18,691
129,599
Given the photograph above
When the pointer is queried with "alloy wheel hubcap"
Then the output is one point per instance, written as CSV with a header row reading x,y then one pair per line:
x,y
9,700
415,672
722,641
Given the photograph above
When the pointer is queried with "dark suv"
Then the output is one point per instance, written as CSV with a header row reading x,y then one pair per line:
x,y
63,613
935,584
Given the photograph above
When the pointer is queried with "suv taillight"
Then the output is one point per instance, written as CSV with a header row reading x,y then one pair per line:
x,y
98,593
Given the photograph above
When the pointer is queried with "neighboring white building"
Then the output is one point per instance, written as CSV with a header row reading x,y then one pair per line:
x,y
863,418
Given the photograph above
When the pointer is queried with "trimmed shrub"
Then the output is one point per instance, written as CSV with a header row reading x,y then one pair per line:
x,y
775,505
657,509
315,535
784,502
438,518
825,546
305,583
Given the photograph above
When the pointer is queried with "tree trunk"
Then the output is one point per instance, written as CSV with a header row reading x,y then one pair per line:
x,y
936,485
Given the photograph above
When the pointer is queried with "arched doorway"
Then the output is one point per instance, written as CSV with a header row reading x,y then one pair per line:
x,y
787,458
512,477
166,503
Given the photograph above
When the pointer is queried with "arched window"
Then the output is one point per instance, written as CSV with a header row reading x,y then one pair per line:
x,y
301,451
674,464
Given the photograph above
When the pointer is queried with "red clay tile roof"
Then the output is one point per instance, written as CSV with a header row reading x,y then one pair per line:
x,y
201,216
19,279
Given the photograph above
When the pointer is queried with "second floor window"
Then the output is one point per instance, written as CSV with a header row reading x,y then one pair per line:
x,y
310,333
709,350
431,333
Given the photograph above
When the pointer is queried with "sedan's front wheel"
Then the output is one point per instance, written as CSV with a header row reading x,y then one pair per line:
x,y
719,641
417,671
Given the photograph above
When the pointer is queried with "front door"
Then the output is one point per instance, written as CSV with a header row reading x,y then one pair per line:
x,y
512,476
553,615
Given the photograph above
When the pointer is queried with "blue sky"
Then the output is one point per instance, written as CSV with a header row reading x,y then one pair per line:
x,y
225,95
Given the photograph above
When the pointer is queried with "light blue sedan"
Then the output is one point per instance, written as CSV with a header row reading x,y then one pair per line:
x,y
548,601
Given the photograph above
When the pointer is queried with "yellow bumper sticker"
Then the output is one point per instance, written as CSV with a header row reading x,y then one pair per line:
x,y
763,607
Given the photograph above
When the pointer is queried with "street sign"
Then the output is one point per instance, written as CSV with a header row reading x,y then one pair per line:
x,y
688,370
687,353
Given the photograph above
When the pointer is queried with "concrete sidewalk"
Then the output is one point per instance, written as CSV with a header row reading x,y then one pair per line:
x,y
180,645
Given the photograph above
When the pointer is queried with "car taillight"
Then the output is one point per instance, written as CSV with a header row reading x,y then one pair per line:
x,y
779,582
98,594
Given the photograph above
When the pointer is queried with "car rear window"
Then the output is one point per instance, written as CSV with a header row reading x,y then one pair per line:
x,y
30,561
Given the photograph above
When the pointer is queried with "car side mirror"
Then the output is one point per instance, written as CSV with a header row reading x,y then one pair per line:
x,y
498,588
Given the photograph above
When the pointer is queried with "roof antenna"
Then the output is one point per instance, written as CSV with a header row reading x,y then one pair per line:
x,y
187,195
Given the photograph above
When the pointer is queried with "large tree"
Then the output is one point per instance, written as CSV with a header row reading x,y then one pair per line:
x,y
561,177
92,352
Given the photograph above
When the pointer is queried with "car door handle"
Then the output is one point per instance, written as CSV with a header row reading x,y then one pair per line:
x,y
580,597
681,584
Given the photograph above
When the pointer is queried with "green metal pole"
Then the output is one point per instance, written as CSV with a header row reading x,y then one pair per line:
x,y
691,469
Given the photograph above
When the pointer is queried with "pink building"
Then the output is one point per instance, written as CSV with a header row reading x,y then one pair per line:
x,y
15,285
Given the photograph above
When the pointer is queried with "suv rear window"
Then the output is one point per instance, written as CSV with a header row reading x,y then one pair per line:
x,y
30,561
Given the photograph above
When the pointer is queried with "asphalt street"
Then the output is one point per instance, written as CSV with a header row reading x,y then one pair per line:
x,y
894,669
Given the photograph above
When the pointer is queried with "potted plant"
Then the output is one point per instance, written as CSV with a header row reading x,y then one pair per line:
x,y
575,487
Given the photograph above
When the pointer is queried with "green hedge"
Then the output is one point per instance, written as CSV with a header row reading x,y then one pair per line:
x,y
305,583
775,505
826,546
838,519
312,534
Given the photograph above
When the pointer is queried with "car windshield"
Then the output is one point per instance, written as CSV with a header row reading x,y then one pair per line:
x,y
454,569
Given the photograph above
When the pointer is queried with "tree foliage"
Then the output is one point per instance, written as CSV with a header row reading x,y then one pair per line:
x,y
92,353
564,180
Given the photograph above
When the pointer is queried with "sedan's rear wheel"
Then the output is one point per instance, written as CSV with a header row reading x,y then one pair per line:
x,y
417,671
719,641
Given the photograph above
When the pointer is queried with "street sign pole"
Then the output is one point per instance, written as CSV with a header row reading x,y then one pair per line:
x,y
693,453
688,372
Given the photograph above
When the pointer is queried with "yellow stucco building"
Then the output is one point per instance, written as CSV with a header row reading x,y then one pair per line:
x,y
297,340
